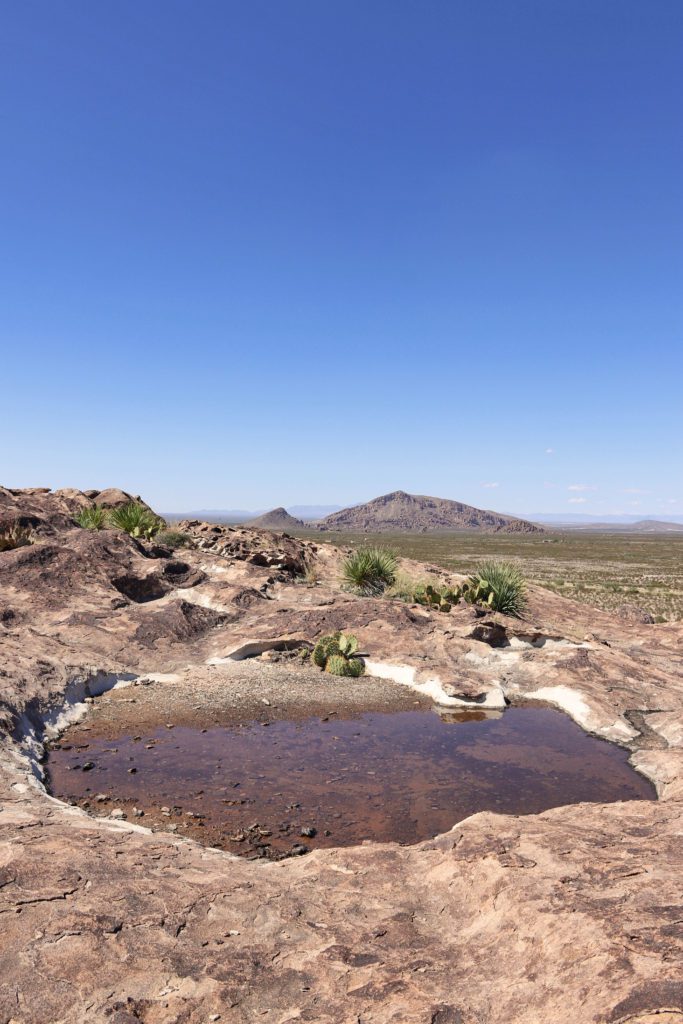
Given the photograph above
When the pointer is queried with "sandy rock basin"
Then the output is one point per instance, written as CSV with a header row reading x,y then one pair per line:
x,y
274,762
572,913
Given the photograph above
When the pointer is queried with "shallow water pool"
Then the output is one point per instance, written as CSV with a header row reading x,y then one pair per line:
x,y
288,786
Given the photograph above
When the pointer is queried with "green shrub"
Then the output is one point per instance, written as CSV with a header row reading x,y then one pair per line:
x,y
504,584
309,572
174,539
94,517
12,536
368,571
404,588
136,520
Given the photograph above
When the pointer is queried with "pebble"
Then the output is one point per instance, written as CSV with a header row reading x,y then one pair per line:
x,y
101,798
309,833
88,766
117,813
299,849
138,813
132,771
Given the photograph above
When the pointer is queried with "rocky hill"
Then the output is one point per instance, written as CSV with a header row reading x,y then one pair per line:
x,y
418,513
277,519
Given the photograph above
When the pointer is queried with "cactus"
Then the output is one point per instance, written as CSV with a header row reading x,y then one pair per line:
x,y
440,600
325,648
355,667
335,654
348,645
338,665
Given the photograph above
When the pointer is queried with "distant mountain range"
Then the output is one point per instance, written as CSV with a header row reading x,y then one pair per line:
x,y
642,526
419,513
240,515
628,523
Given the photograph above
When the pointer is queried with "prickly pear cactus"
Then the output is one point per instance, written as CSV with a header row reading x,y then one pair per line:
x,y
348,644
325,648
338,665
355,667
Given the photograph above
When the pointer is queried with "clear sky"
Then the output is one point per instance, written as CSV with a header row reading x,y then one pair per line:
x,y
296,251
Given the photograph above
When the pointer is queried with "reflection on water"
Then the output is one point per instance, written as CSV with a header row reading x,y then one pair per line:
x,y
402,776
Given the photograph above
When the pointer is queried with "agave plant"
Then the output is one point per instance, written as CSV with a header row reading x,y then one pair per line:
x,y
368,571
136,519
93,517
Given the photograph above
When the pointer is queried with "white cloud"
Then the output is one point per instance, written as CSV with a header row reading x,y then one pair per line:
x,y
492,484
634,490
550,451
578,501
581,487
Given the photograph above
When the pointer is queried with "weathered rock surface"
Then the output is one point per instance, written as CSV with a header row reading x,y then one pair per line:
x,y
419,512
574,914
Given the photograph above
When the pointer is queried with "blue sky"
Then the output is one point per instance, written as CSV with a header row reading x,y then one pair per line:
x,y
299,252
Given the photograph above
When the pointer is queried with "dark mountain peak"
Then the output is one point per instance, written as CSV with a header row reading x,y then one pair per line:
x,y
277,519
421,513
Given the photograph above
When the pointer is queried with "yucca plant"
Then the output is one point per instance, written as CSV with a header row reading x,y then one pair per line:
x,y
368,571
94,517
136,520
499,584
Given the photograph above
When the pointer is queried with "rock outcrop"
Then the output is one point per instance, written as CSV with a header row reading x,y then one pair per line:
x,y
414,513
573,914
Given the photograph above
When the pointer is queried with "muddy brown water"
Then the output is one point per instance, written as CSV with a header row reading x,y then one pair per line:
x,y
402,776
